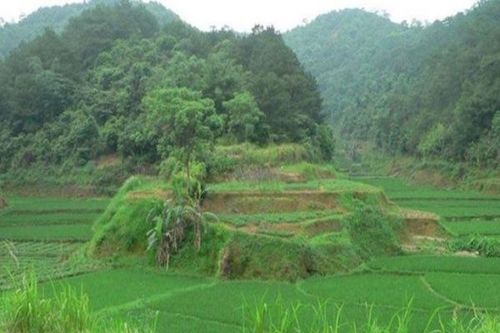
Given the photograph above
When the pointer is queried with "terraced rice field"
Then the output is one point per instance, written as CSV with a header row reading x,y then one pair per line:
x,y
473,227
451,205
180,303
41,234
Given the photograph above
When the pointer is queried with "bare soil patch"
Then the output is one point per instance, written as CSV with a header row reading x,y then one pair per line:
x,y
268,203
3,203
156,193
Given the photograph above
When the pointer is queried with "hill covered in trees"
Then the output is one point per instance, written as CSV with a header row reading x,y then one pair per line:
x,y
422,90
116,82
57,17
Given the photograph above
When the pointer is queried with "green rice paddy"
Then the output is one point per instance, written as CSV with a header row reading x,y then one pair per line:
x,y
41,234
46,235
474,226
434,263
474,290
72,232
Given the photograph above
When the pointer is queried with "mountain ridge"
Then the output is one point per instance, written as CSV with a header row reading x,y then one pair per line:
x,y
427,91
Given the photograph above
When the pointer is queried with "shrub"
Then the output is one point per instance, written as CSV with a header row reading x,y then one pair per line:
x,y
372,232
485,246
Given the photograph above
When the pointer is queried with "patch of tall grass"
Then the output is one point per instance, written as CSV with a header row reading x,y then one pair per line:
x,y
271,155
280,317
25,309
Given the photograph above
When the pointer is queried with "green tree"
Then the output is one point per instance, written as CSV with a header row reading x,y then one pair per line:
x,y
433,142
186,121
244,116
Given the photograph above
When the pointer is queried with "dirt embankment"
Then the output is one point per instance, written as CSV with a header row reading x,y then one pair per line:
x,y
255,203
3,203
417,223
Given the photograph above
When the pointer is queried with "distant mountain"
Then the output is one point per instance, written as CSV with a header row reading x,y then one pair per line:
x,y
424,90
342,44
56,18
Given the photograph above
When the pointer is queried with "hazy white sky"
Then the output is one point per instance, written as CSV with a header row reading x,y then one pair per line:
x,y
283,14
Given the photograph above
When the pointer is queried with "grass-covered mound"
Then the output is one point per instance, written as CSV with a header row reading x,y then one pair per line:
x,y
122,228
269,229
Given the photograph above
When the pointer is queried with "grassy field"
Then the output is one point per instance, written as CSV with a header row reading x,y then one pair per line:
x,y
14,219
399,189
56,204
50,219
473,226
194,301
446,203
380,289
72,232
434,263
474,290
46,234
330,185
41,234
456,209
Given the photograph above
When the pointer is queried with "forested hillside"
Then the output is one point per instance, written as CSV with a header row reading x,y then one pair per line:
x,y
422,90
56,18
116,83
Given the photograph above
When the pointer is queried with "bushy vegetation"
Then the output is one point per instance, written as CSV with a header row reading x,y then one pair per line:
x,y
25,309
373,232
429,91
135,90
486,246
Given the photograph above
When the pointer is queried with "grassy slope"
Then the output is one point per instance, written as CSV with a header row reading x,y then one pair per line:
x,y
123,227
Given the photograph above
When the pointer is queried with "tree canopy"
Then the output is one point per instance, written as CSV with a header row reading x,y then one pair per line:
x,y
57,17
115,81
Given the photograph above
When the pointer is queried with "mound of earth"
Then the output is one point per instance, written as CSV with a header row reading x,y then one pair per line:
x,y
285,234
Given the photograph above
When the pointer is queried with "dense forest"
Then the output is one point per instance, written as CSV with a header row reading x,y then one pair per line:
x,y
57,17
428,91
116,82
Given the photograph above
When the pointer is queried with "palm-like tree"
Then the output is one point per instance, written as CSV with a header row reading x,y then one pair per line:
x,y
171,226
